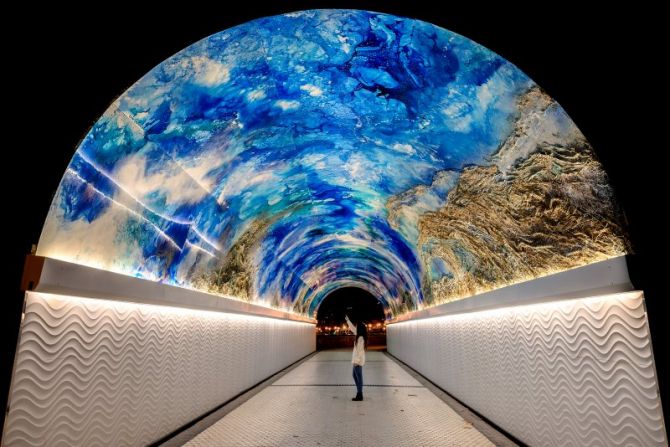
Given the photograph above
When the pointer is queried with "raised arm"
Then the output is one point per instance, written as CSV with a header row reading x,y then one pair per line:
x,y
352,328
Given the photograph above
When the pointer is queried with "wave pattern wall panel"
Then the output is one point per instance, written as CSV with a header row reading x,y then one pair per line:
x,y
576,372
96,372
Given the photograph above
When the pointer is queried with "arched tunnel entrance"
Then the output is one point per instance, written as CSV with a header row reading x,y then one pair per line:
x,y
259,184
359,305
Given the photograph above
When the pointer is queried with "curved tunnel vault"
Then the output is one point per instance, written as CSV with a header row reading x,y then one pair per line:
x,y
292,155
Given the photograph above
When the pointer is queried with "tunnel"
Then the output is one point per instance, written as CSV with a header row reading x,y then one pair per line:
x,y
214,207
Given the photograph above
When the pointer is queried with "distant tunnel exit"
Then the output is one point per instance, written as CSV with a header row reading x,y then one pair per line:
x,y
359,305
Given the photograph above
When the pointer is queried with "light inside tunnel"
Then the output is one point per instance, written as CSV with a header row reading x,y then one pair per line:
x,y
282,159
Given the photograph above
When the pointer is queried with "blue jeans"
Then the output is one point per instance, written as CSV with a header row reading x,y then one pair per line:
x,y
358,378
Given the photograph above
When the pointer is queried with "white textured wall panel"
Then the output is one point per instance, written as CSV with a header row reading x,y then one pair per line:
x,y
96,372
576,372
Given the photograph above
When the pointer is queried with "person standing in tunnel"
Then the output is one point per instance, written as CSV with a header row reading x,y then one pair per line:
x,y
358,359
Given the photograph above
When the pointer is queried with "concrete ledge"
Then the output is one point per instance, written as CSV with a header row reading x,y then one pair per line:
x,y
54,276
600,278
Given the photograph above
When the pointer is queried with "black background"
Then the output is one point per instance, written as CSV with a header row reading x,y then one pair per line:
x,y
63,67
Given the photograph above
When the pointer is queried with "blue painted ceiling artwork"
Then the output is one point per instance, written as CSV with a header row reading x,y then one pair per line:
x,y
284,158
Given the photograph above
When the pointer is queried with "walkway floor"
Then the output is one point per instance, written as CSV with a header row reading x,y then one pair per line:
x,y
311,406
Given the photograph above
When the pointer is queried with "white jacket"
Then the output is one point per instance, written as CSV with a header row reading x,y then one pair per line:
x,y
358,357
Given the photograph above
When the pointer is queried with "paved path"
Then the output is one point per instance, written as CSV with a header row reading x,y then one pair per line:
x,y
311,406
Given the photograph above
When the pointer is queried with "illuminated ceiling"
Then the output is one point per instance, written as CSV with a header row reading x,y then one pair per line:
x,y
292,155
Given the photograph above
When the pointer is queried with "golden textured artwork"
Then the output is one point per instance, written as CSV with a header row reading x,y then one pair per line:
x,y
543,206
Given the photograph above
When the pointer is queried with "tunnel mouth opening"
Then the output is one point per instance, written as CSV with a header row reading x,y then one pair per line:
x,y
360,305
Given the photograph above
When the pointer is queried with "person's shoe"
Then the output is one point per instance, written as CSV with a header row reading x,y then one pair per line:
x,y
357,398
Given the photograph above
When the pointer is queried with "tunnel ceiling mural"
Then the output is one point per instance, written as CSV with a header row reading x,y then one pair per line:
x,y
292,155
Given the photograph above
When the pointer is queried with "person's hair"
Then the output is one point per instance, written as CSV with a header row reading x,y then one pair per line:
x,y
362,331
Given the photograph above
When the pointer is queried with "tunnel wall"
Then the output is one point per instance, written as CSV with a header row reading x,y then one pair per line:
x,y
575,371
92,371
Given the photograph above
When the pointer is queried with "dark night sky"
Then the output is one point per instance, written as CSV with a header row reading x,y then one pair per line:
x,y
66,66
352,301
